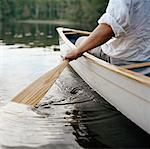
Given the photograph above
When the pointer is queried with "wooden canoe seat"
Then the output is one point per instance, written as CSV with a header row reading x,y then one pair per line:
x,y
139,67
135,66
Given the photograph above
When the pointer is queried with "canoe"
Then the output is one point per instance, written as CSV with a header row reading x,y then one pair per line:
x,y
128,91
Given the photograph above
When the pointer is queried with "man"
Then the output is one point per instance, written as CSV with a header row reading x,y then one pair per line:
x,y
123,33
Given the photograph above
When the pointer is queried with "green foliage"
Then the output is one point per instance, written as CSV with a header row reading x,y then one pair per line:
x,y
83,11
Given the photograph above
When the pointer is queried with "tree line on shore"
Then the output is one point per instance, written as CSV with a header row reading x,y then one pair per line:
x,y
82,11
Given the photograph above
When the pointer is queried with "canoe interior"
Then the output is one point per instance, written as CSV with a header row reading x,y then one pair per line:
x,y
73,36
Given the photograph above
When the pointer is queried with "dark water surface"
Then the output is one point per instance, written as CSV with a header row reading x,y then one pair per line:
x,y
70,116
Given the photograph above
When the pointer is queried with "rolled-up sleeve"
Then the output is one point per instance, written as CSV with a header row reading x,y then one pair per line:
x,y
117,16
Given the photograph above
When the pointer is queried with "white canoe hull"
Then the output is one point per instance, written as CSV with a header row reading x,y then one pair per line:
x,y
122,89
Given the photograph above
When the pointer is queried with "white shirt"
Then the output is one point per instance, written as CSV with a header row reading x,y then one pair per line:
x,y
130,22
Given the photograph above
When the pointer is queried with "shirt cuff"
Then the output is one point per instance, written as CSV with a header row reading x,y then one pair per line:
x,y
110,20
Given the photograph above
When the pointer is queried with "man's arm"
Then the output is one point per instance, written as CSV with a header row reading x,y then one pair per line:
x,y
101,34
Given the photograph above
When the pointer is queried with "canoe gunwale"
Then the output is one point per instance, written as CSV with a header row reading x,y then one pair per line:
x,y
121,70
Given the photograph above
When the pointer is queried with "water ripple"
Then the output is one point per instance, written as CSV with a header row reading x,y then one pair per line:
x,y
18,123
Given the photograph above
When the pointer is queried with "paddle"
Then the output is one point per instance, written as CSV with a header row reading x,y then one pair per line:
x,y
32,94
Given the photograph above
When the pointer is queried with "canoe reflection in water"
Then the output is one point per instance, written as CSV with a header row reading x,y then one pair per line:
x,y
96,124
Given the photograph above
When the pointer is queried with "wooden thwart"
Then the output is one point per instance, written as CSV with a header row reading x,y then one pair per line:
x,y
138,65
32,94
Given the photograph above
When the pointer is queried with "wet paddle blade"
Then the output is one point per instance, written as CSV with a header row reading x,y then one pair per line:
x,y
32,94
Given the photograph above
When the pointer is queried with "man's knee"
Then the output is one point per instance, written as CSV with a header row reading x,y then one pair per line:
x,y
80,40
96,51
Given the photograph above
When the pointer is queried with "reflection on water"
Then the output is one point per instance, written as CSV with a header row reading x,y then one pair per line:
x,y
29,34
71,115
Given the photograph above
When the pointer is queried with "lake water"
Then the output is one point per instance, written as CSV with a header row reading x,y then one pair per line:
x,y
70,116
30,34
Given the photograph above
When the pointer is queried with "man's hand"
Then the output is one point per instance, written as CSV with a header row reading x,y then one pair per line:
x,y
73,55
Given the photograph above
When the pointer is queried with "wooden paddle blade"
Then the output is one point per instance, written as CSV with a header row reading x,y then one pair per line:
x,y
32,94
